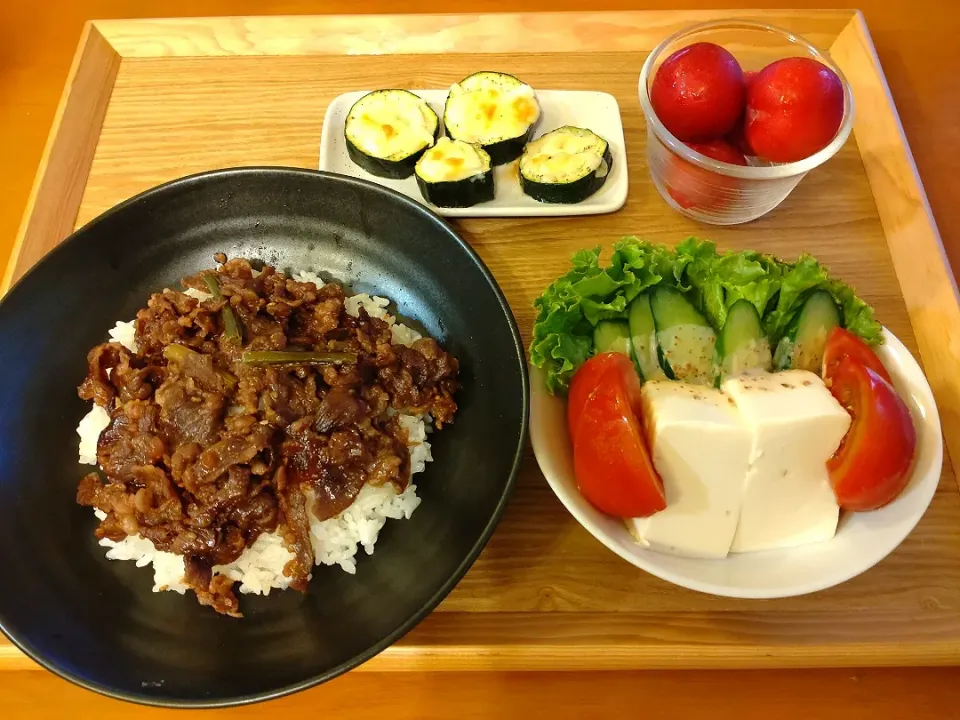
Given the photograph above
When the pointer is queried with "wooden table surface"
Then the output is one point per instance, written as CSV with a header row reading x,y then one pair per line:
x,y
917,46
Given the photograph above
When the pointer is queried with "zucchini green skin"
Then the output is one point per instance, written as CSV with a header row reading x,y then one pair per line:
x,y
568,193
458,193
502,151
393,169
508,150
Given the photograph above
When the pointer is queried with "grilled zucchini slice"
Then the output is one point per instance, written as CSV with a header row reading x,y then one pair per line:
x,y
566,165
388,130
494,110
455,174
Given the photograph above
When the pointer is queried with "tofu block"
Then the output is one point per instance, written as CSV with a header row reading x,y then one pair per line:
x,y
796,425
701,450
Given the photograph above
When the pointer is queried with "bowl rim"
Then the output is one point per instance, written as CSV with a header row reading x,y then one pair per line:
x,y
751,172
580,509
461,569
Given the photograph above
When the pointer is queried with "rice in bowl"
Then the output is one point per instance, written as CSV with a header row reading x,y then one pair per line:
x,y
260,567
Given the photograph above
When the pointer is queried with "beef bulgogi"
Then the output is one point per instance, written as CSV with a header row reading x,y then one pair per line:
x,y
242,412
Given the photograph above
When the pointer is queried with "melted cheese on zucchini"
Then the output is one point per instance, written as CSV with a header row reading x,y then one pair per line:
x,y
452,161
391,124
490,107
564,155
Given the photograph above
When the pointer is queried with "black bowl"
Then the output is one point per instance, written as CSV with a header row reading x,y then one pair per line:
x,y
96,622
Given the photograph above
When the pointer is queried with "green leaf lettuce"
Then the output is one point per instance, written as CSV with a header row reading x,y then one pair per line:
x,y
574,303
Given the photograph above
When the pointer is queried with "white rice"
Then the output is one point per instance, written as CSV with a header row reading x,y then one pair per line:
x,y
125,333
335,541
89,429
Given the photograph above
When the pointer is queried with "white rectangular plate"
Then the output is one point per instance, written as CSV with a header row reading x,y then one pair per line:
x,y
596,111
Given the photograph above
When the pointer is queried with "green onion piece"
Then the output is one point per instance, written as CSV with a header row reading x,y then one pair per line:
x,y
212,285
230,326
297,357
230,381
176,353
179,353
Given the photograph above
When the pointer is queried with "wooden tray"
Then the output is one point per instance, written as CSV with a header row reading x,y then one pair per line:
x,y
148,101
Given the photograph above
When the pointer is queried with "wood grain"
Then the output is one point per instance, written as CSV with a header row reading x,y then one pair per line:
x,y
544,594
916,44
432,34
928,285
52,207
918,694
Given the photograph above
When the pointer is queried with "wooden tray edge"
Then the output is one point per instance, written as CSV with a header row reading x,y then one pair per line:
x,y
928,286
908,224
531,657
547,32
61,177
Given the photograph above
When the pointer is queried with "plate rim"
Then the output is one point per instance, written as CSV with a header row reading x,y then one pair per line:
x,y
483,210
461,569
928,486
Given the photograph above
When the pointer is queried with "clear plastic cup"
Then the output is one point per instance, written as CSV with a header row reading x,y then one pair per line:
x,y
715,192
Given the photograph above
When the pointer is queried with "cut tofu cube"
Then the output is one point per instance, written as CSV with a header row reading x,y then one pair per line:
x,y
701,450
796,425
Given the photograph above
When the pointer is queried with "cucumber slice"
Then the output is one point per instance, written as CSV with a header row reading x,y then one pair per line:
x,y
783,355
742,346
803,345
643,336
688,344
611,336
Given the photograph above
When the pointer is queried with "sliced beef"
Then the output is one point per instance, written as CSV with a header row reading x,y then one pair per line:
x,y
131,439
200,368
423,379
204,453
189,416
156,500
218,458
173,317
339,408
213,590
332,467
284,397
295,529
97,386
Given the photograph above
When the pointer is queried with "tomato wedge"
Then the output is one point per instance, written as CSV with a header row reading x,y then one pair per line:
x,y
588,377
843,343
610,458
872,465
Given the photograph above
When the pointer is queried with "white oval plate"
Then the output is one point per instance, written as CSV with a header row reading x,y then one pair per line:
x,y
596,111
862,539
